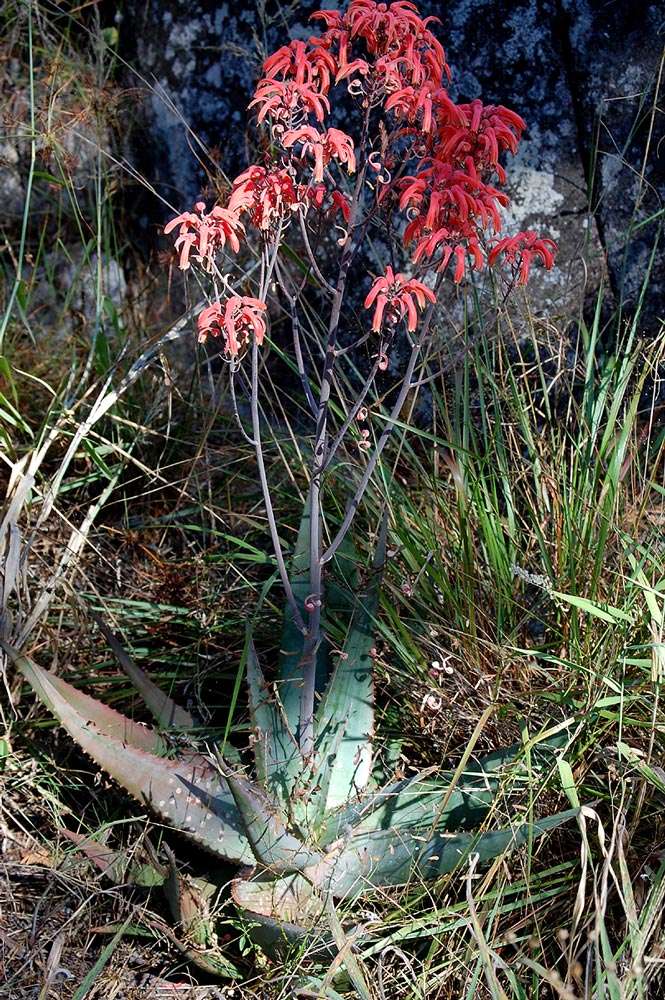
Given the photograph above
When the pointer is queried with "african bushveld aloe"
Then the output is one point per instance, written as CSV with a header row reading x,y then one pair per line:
x,y
312,829
314,821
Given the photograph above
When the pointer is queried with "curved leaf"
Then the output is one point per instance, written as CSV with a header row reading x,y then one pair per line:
x,y
283,914
189,795
276,754
341,585
424,803
52,690
344,722
395,857
163,708
272,843
291,899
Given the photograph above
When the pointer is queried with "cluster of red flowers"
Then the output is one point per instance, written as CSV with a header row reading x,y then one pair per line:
x,y
395,296
266,195
520,251
322,147
389,58
201,236
399,48
240,318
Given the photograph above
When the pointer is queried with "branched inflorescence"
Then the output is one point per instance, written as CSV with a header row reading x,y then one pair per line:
x,y
420,171
430,167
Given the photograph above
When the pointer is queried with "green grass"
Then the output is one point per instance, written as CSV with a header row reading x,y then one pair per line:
x,y
525,586
529,577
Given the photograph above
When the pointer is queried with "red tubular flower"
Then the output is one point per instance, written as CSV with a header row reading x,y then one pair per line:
x,y
346,69
440,188
424,55
210,322
314,66
415,105
397,295
462,247
267,195
282,100
323,147
236,322
445,197
340,203
331,18
405,50
427,107
483,134
520,252
318,194
385,26
202,236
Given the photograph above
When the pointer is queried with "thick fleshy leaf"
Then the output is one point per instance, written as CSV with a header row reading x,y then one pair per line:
x,y
396,857
277,756
284,913
273,845
344,722
189,900
107,720
291,898
427,803
289,676
189,795
164,710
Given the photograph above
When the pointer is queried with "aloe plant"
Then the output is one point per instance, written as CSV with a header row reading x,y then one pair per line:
x,y
312,823
313,829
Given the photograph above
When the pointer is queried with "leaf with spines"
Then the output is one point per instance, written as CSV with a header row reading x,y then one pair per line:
x,y
53,691
396,857
344,720
164,710
189,794
273,844
291,898
423,802
276,754
341,585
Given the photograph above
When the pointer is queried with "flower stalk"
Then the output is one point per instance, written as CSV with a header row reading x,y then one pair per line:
x,y
425,173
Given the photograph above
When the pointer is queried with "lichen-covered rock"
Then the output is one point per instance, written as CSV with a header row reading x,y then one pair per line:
x,y
65,114
511,53
12,191
202,59
73,292
614,60
88,282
